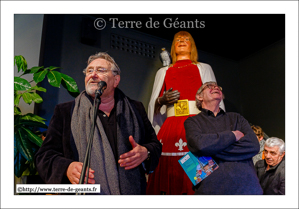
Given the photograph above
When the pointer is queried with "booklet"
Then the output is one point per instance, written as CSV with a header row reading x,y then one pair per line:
x,y
197,168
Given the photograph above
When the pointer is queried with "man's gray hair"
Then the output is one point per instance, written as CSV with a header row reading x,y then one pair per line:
x,y
274,141
199,92
103,55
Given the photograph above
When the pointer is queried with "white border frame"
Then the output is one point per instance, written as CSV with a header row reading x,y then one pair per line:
x,y
8,9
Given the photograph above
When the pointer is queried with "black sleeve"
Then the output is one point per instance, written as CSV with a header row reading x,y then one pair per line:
x,y
54,156
151,142
206,144
247,147
222,145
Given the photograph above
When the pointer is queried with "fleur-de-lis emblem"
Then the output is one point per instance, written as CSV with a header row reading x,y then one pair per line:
x,y
181,107
180,144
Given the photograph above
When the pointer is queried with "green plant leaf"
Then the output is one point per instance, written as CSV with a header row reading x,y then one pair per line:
x,y
17,124
17,99
54,78
52,68
32,123
36,69
38,88
69,83
19,144
33,117
21,63
26,72
40,75
36,98
74,94
33,70
17,110
15,148
21,84
17,119
33,137
32,169
23,145
19,165
27,97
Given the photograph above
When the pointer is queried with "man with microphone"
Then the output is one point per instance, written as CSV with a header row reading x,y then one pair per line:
x,y
125,145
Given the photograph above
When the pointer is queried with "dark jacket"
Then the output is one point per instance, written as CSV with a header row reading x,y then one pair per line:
x,y
273,180
59,150
208,135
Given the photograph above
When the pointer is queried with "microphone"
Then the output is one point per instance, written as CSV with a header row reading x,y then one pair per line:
x,y
102,85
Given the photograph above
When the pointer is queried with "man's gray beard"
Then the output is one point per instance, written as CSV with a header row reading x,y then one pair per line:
x,y
90,91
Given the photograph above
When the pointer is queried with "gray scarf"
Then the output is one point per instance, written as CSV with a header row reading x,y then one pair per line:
x,y
113,179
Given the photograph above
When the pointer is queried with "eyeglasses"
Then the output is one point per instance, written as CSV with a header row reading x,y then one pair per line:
x,y
182,38
212,86
98,70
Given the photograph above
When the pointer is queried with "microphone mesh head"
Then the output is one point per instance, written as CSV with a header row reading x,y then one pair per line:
x,y
102,85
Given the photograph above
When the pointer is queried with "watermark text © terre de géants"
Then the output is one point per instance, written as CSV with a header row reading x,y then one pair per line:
x,y
100,23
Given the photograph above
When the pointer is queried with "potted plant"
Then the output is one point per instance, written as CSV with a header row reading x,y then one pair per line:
x,y
27,138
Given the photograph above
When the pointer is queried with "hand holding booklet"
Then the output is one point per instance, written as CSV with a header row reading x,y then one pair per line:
x,y
197,168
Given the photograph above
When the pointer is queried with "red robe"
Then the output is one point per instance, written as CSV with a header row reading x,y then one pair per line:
x,y
169,177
